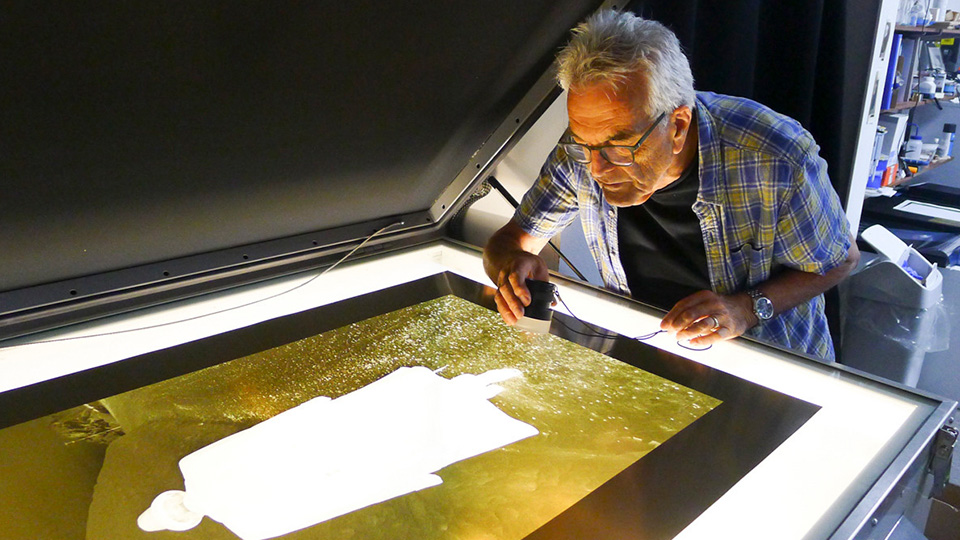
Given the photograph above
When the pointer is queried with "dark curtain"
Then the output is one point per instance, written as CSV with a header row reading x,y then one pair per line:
x,y
808,59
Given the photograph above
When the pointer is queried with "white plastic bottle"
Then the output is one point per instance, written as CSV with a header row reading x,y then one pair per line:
x,y
945,148
913,148
928,87
917,15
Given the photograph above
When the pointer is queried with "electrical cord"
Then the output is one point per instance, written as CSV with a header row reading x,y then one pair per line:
x,y
598,333
218,312
516,205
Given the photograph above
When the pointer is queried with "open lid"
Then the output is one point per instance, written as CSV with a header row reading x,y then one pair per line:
x,y
135,134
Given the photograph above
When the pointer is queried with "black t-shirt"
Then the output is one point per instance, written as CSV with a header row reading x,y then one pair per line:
x,y
661,245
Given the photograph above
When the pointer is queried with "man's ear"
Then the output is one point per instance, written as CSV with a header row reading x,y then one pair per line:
x,y
680,121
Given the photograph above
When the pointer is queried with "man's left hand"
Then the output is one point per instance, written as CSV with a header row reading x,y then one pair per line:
x,y
706,317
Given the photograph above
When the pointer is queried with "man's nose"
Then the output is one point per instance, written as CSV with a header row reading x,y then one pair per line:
x,y
598,164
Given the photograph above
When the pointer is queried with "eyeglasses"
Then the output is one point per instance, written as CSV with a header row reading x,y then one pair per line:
x,y
616,154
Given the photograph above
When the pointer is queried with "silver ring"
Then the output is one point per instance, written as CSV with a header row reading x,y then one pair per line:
x,y
716,323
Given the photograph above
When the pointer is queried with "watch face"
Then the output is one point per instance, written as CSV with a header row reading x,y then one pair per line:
x,y
763,307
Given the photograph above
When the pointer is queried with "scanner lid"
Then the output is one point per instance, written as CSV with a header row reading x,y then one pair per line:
x,y
141,134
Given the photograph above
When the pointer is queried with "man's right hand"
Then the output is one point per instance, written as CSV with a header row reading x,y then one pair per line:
x,y
509,259
512,293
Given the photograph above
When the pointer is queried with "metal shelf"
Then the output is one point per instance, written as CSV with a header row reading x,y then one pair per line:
x,y
897,107
934,29
922,172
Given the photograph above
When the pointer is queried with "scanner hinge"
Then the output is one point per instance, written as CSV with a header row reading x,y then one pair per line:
x,y
943,446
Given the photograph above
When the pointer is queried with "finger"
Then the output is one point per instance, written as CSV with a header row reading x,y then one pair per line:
x,y
505,312
702,342
540,272
520,288
685,311
510,300
668,322
702,327
684,316
721,334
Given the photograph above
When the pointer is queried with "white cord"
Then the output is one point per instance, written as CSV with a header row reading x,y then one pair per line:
x,y
170,323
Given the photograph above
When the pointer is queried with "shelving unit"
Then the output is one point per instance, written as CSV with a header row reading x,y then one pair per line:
x,y
916,41
912,53
907,48
915,103
921,173
939,28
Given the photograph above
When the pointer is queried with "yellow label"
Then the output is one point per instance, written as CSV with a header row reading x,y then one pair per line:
x,y
947,41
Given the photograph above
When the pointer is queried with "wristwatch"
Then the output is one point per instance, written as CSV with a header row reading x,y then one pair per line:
x,y
762,306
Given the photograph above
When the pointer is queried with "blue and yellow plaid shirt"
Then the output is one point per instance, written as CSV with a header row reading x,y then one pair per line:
x,y
765,202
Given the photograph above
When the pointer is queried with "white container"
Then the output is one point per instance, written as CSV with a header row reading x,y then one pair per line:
x,y
928,86
916,14
914,148
940,79
946,141
896,125
937,10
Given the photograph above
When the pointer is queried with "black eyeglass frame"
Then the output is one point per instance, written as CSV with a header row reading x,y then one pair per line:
x,y
603,148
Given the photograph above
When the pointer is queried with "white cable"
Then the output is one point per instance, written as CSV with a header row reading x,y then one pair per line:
x,y
170,323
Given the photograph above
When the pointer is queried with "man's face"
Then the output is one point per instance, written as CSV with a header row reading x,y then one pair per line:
x,y
601,116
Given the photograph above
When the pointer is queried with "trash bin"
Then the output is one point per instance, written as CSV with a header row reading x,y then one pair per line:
x,y
893,311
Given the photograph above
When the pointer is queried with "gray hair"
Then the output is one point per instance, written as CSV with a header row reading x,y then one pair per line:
x,y
611,47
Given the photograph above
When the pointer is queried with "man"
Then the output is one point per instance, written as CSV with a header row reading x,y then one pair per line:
x,y
714,207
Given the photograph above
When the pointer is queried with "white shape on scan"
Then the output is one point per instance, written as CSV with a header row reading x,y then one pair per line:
x,y
325,458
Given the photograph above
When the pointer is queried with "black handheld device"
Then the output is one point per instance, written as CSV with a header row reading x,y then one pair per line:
x,y
537,316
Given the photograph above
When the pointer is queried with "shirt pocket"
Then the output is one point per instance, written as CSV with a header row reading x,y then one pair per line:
x,y
751,264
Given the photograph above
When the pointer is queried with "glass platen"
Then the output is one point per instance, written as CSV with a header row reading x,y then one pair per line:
x,y
596,416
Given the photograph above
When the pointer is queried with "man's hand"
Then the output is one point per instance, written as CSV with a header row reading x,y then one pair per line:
x,y
510,258
512,293
706,317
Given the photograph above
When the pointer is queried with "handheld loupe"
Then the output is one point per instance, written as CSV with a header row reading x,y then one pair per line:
x,y
537,316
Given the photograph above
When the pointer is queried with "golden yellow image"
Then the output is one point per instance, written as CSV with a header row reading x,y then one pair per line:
x,y
596,416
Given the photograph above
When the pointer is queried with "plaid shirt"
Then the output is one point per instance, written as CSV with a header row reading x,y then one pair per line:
x,y
765,202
